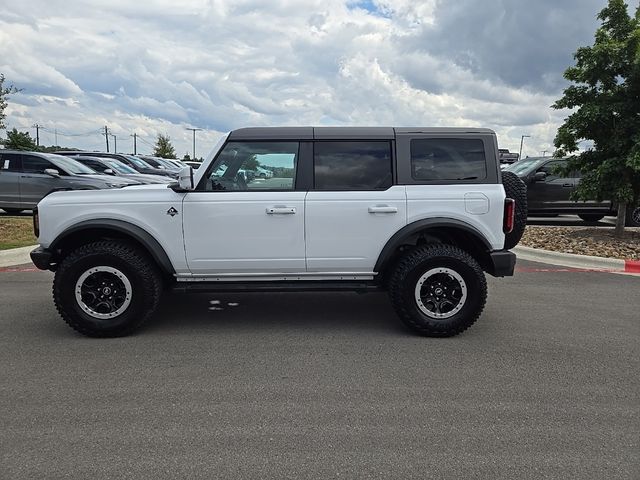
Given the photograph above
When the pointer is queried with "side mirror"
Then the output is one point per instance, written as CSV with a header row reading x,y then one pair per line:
x,y
185,179
539,177
52,172
108,171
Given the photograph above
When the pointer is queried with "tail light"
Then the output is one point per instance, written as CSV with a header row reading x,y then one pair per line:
x,y
509,215
36,222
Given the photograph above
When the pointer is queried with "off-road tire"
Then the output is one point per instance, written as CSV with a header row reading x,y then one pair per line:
x,y
135,264
591,217
416,263
516,189
632,219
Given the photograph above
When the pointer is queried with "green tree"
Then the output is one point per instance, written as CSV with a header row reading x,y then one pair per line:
x,y
605,96
163,147
19,141
4,95
186,158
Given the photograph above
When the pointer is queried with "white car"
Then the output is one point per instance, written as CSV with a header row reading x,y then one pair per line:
x,y
421,213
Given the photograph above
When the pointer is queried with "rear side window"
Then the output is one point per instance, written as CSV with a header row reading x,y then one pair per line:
x,y
352,165
10,162
448,159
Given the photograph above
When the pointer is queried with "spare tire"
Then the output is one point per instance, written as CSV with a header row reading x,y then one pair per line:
x,y
517,190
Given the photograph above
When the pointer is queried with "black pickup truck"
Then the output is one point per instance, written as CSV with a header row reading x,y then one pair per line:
x,y
550,193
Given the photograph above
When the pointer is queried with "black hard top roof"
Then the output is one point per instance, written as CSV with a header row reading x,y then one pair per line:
x,y
338,133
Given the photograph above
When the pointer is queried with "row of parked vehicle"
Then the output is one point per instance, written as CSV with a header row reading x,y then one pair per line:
x,y
27,177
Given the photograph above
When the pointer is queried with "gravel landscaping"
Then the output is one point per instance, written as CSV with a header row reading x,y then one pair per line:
x,y
596,241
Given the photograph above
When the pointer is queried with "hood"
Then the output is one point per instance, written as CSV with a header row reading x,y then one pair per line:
x,y
143,178
112,180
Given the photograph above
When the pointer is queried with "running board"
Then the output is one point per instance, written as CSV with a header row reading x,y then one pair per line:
x,y
276,286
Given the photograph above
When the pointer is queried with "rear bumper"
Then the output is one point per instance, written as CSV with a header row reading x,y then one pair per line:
x,y
41,258
502,263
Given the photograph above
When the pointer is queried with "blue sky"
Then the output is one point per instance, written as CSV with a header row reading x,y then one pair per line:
x,y
162,66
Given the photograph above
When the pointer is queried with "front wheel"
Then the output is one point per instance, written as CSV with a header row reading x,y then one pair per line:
x,y
633,217
438,290
106,288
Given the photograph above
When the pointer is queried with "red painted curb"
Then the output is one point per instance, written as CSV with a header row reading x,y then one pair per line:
x,y
632,266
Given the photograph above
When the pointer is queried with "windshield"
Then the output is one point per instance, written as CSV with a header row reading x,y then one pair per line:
x,y
119,167
524,166
71,166
166,163
137,162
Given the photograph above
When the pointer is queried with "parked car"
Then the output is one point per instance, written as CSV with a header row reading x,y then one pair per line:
x,y
161,163
506,157
110,166
421,213
130,160
27,177
549,192
192,164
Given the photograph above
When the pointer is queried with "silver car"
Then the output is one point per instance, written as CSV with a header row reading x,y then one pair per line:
x,y
27,177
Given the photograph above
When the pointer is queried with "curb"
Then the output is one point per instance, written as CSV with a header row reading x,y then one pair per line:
x,y
15,256
577,261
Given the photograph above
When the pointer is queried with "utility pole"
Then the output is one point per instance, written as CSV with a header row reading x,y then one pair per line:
x,y
115,143
521,142
37,127
135,147
106,137
544,153
194,130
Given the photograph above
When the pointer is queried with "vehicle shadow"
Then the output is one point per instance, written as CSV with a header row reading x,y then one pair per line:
x,y
569,221
327,312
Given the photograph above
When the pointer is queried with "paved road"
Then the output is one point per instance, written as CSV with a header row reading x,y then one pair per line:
x,y
326,386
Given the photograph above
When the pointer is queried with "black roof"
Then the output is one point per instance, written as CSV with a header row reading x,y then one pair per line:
x,y
338,133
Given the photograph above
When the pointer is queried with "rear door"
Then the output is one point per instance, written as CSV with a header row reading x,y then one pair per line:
x,y
10,180
353,208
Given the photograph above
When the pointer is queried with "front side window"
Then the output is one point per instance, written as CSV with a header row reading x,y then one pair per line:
x,y
32,164
253,166
352,165
448,159
551,170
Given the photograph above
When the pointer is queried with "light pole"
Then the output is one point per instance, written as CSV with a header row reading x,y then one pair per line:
x,y
521,142
194,130
115,143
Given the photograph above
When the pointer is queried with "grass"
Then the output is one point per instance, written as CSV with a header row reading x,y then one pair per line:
x,y
16,232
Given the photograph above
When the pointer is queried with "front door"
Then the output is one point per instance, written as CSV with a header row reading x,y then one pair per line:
x,y
551,193
34,183
239,222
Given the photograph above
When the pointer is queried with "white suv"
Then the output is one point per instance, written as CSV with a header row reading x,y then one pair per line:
x,y
420,212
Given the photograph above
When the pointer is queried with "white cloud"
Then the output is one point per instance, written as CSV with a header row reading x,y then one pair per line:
x,y
161,66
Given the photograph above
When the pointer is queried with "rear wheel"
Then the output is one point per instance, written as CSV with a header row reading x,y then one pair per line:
x,y
106,288
438,290
591,217
516,189
633,217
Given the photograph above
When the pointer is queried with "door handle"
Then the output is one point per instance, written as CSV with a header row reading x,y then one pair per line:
x,y
567,185
281,210
383,209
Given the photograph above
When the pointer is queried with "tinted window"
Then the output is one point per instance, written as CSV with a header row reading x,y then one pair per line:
x,y
448,159
254,166
352,165
551,169
10,162
97,166
31,164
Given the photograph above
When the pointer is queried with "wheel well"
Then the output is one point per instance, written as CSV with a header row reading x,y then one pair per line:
x,y
450,235
70,241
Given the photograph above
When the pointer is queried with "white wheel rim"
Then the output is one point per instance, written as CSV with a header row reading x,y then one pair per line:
x,y
440,293
103,292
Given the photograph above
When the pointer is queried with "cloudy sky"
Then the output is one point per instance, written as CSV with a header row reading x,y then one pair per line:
x,y
160,66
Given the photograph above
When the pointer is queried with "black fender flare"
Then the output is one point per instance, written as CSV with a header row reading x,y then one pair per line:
x,y
426,224
137,233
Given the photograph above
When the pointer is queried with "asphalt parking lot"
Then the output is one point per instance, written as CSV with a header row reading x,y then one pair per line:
x,y
545,385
